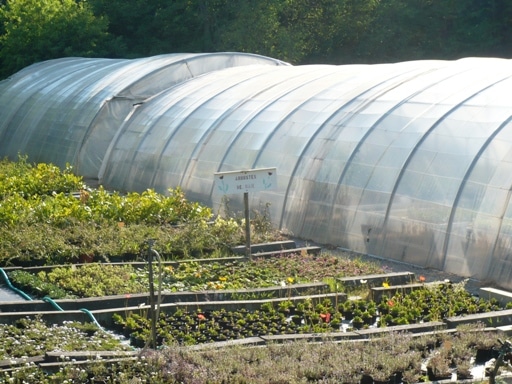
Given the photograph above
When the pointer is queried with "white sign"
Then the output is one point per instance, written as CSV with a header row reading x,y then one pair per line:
x,y
252,180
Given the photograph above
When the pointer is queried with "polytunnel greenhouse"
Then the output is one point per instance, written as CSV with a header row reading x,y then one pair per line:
x,y
408,161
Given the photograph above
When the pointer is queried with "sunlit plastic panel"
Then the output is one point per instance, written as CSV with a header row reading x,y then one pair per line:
x,y
409,161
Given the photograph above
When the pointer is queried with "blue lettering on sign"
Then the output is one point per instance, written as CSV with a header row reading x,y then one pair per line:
x,y
245,177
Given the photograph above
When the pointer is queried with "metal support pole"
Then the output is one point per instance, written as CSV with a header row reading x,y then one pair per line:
x,y
152,310
248,252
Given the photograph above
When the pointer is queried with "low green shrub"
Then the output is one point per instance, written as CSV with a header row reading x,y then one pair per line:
x,y
49,216
94,280
37,286
32,337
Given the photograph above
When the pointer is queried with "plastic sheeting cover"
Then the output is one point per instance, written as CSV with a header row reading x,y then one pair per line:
x,y
409,161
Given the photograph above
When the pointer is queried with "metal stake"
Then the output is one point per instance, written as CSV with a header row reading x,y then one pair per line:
x,y
152,310
248,252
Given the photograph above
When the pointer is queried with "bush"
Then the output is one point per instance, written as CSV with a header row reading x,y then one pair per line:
x,y
43,222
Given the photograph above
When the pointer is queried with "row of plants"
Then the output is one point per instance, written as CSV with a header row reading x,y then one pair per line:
x,y
31,336
433,302
94,280
430,302
43,193
196,327
306,316
394,357
50,216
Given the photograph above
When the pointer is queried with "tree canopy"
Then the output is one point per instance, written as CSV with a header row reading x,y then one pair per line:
x,y
33,31
298,31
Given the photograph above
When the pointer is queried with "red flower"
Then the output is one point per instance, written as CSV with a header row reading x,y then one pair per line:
x,y
326,317
391,303
201,317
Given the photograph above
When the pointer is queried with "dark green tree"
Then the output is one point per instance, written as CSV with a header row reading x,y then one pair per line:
x,y
298,31
150,27
39,30
255,26
437,29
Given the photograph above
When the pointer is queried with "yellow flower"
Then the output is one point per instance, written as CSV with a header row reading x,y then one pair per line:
x,y
290,280
223,278
385,284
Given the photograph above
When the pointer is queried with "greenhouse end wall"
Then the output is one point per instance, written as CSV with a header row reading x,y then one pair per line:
x,y
408,161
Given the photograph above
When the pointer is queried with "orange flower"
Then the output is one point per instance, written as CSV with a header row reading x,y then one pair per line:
x,y
391,303
422,278
201,317
326,317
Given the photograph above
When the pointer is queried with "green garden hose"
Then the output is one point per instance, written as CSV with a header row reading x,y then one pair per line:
x,y
12,287
93,319
86,311
53,303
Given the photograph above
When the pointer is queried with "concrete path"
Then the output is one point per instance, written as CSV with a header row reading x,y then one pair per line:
x,y
7,294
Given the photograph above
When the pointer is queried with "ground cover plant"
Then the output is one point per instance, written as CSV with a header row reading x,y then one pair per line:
x,y
306,316
49,216
94,279
397,356
29,337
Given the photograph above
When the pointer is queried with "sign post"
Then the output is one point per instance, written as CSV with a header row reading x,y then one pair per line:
x,y
252,180
248,252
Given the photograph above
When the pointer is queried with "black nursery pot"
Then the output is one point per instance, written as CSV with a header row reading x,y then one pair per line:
x,y
484,355
432,376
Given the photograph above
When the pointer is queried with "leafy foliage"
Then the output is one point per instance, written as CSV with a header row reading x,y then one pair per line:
x,y
42,194
28,180
95,280
49,216
38,30
301,32
38,338
36,286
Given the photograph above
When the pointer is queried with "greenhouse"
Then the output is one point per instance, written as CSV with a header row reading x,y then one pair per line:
x,y
407,161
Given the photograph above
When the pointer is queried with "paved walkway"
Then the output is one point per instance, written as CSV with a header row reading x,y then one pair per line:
x,y
7,294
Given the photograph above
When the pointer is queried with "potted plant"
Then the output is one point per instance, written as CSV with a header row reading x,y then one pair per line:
x,y
357,322
439,366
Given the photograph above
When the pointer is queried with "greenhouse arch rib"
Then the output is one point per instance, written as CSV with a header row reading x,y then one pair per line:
x,y
419,151
339,127
412,150
243,126
410,157
224,116
490,257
